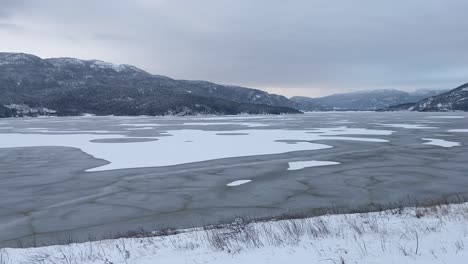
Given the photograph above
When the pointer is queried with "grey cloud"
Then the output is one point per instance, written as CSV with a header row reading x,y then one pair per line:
x,y
10,27
317,45
9,7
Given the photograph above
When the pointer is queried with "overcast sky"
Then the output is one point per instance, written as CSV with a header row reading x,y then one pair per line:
x,y
297,47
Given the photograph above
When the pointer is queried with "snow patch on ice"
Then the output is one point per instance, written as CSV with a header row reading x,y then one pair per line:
x,y
343,130
173,150
237,183
49,131
226,124
299,165
441,143
141,125
446,117
458,130
139,128
407,126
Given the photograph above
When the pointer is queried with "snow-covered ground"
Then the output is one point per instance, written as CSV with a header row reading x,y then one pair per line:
x,y
437,234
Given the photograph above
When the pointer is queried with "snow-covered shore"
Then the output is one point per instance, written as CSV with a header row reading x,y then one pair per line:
x,y
435,234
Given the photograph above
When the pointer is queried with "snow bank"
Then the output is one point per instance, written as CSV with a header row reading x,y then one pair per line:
x,y
413,235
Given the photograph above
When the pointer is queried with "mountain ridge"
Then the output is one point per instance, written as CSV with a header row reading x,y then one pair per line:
x,y
365,100
456,99
73,86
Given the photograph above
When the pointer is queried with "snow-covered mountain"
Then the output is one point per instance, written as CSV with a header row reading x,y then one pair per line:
x,y
73,86
364,100
456,99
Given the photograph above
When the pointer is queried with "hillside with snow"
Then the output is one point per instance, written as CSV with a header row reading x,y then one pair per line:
x,y
456,99
70,87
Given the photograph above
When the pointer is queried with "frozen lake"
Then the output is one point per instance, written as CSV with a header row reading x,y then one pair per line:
x,y
91,177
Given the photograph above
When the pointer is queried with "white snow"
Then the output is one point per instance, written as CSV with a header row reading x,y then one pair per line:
x,y
173,149
237,183
343,130
299,165
407,126
458,130
61,62
139,128
413,235
141,125
441,143
446,117
340,122
226,124
238,117
51,131
107,65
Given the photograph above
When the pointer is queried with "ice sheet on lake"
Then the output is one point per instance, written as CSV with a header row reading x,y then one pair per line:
x,y
173,148
237,183
441,143
458,130
299,165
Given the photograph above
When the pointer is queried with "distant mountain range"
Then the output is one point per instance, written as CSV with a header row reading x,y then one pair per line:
x,y
33,86
68,86
363,100
453,100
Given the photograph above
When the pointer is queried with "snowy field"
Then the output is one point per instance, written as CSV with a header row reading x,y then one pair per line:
x,y
436,234
99,177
